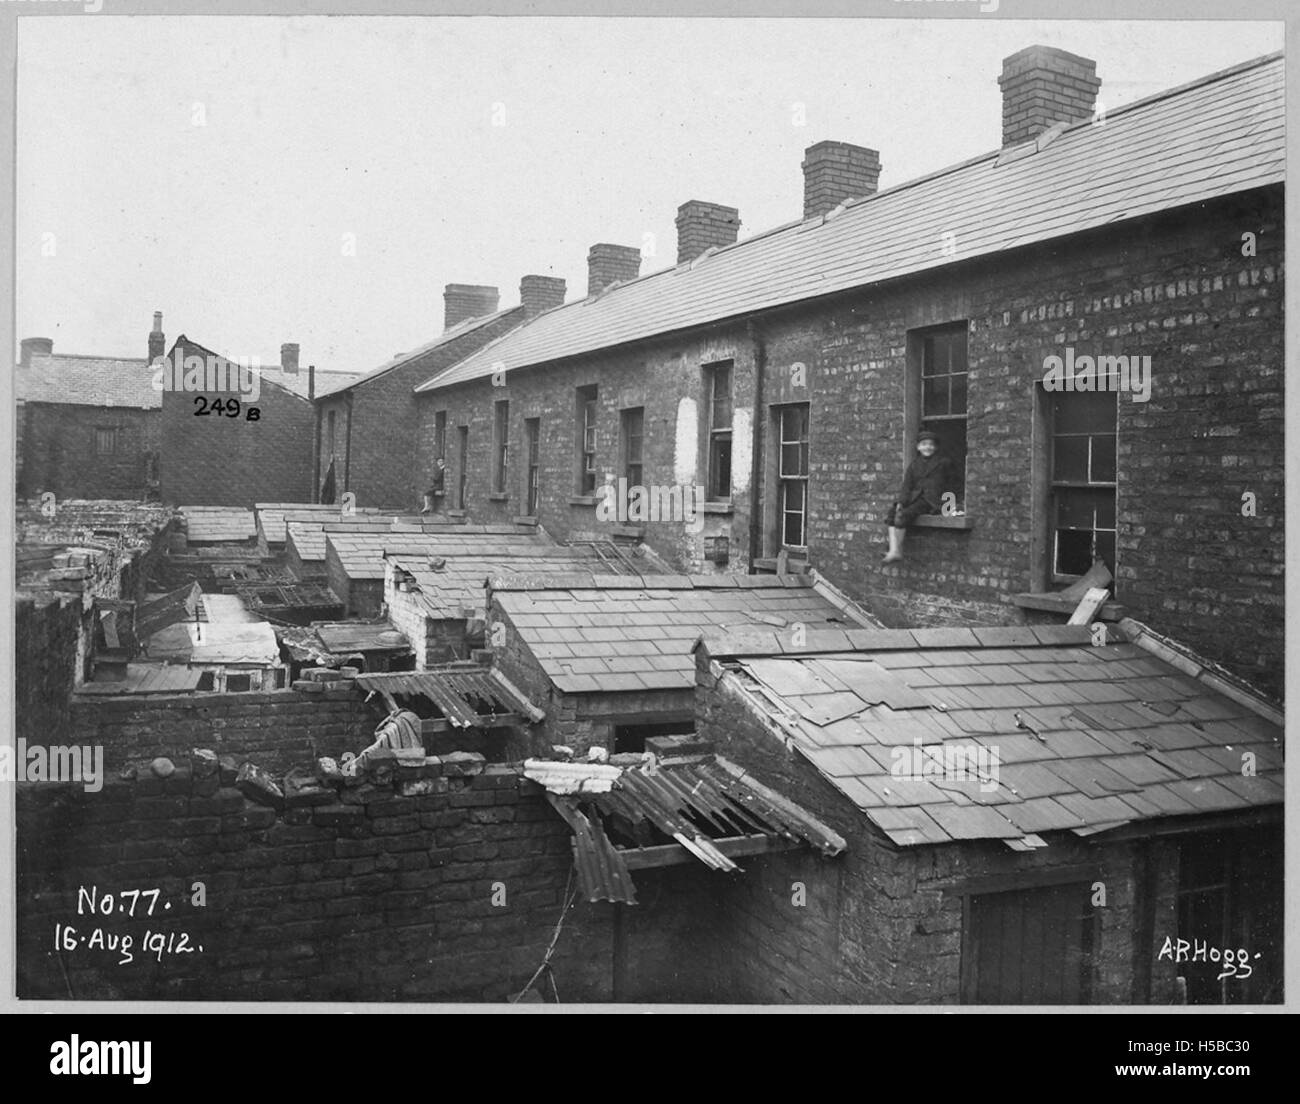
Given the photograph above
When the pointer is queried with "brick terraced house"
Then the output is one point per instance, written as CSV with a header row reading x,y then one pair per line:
x,y
88,426
788,375
361,427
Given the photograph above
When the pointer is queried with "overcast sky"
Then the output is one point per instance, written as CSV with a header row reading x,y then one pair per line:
x,y
214,168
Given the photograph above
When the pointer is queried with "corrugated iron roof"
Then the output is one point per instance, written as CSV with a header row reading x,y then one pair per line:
x,y
1015,732
1220,135
467,695
694,802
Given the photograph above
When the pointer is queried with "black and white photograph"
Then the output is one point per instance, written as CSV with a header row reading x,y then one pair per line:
x,y
629,510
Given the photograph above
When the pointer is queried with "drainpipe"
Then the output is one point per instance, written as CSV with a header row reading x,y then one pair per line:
x,y
347,451
756,451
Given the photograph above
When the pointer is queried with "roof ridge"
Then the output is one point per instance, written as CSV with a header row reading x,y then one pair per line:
x,y
84,356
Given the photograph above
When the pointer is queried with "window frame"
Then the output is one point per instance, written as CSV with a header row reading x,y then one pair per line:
x,y
500,446
785,481
1059,489
462,466
114,439
587,411
718,434
532,466
920,344
632,460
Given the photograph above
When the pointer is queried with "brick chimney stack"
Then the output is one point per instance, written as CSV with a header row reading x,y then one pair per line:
x,y
34,346
1042,86
157,341
611,264
541,293
289,358
836,171
464,301
701,226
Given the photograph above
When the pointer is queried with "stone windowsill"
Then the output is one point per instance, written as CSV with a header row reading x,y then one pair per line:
x,y
498,496
525,519
718,508
944,521
583,500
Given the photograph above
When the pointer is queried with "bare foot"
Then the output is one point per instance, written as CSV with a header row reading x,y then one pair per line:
x,y
891,557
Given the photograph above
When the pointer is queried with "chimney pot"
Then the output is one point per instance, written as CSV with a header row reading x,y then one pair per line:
x,y
836,171
289,358
702,226
34,346
541,293
157,341
611,264
1041,86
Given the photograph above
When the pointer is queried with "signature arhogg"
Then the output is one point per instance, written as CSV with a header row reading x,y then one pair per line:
x,y
1235,963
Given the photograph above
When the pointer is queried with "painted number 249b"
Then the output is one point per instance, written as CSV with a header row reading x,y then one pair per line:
x,y
229,407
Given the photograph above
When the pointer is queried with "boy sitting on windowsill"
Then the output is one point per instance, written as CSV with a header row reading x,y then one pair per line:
x,y
927,477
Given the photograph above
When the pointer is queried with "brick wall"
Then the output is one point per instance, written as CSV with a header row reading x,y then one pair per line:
x,y
666,379
1175,287
50,631
214,460
59,452
373,449
445,884
280,729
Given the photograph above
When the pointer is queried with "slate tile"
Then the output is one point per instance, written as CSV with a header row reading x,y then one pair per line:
x,y
1042,814
1063,634
1262,789
1096,810
881,639
1031,780
1204,794
945,638
840,761
1005,636
972,822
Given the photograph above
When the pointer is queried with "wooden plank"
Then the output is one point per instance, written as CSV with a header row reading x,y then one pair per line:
x,y
1088,606
672,854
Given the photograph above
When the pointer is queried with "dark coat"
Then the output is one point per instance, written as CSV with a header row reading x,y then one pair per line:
x,y
926,480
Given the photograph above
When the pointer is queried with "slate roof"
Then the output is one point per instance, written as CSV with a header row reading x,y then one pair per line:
x,y
273,515
457,331
445,592
88,381
308,536
601,633
1213,137
218,523
1087,738
361,553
